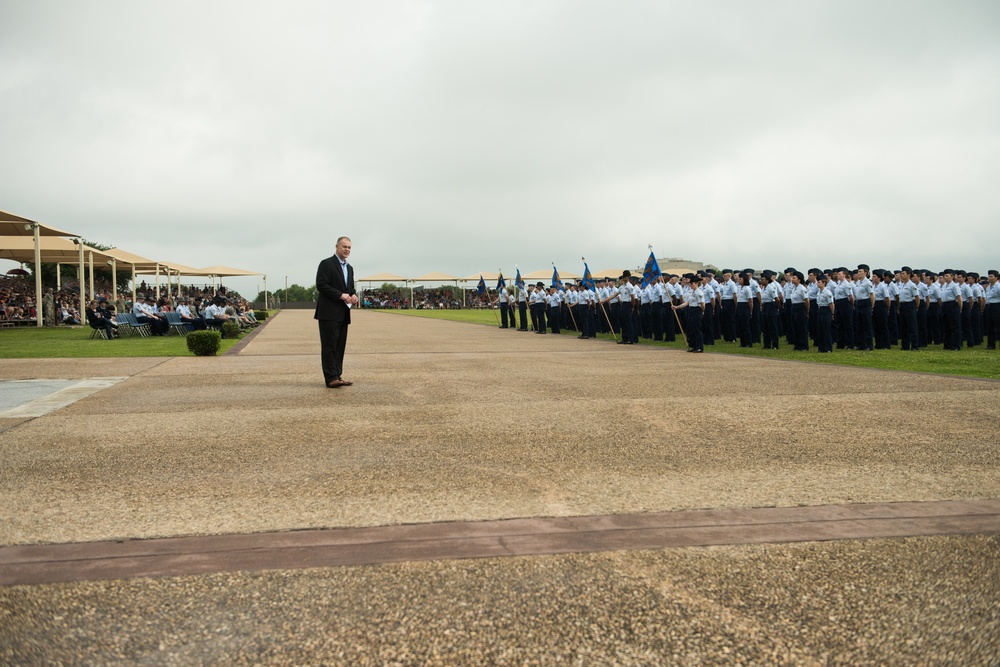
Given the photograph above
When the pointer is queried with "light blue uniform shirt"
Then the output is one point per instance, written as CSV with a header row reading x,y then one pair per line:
x,y
825,297
908,292
842,290
863,290
769,294
993,293
934,292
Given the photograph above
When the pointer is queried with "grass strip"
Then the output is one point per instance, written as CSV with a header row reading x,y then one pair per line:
x,y
75,342
969,362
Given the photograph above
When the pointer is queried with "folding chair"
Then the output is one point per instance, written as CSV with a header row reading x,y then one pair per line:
x,y
176,324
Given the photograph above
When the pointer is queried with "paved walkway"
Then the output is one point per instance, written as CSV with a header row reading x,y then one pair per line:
x,y
555,488
46,564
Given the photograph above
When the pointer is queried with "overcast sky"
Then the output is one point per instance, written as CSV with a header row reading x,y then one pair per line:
x,y
472,136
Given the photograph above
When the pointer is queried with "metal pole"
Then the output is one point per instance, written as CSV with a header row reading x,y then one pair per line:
x,y
38,274
157,281
93,292
265,293
58,276
114,280
82,281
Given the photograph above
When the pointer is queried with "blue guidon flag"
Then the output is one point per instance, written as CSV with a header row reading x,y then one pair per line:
x,y
651,271
556,280
518,281
588,280
481,287
501,283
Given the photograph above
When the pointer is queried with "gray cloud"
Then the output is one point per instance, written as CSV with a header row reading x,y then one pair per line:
x,y
462,136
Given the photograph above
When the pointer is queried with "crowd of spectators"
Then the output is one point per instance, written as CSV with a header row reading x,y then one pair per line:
x,y
19,304
423,299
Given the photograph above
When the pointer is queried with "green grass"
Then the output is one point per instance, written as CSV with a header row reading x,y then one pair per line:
x,y
68,342
974,362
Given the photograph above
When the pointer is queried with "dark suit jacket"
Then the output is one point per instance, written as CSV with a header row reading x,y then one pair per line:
x,y
330,285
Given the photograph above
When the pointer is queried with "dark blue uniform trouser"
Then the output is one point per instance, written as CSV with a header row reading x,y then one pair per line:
x,y
967,323
951,325
522,311
708,324
656,313
922,323
845,323
977,324
669,323
743,328
813,321
769,313
824,329
580,314
992,324
908,325
504,314
934,323
880,322
554,318
800,326
625,320
615,312
728,320
864,310
893,321
694,334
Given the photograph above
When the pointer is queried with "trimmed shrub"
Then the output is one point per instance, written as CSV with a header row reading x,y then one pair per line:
x,y
230,330
204,343
261,315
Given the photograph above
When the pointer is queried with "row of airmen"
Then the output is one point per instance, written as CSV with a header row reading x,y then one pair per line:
x,y
860,309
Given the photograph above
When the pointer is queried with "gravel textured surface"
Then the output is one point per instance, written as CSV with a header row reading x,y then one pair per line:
x,y
449,421
457,422
927,601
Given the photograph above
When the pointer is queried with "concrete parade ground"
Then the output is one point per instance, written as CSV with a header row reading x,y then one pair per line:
x,y
491,497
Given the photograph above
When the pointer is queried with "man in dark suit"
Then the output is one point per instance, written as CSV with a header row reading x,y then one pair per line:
x,y
335,284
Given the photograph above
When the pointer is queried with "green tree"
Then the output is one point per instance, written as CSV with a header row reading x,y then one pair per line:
x,y
296,293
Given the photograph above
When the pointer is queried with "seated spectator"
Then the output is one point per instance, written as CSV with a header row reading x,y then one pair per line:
x,y
145,313
215,314
69,315
96,320
193,321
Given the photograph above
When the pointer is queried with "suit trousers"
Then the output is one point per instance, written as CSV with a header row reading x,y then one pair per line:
x,y
333,342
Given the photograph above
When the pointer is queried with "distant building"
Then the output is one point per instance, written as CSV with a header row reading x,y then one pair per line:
x,y
677,265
